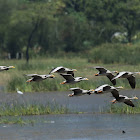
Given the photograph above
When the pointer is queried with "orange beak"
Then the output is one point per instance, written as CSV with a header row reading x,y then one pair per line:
x,y
96,74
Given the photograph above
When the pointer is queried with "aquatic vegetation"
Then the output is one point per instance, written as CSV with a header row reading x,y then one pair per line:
x,y
124,109
16,120
17,109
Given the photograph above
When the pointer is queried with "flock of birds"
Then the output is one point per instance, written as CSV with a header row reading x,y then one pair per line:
x,y
68,75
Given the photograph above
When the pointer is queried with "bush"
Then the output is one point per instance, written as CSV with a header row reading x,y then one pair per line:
x,y
115,53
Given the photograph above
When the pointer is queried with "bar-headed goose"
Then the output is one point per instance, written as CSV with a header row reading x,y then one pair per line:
x,y
62,70
71,80
105,72
124,99
2,68
106,88
37,77
78,92
129,75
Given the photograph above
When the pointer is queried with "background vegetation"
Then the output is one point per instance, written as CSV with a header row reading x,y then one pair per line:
x,y
72,33
58,27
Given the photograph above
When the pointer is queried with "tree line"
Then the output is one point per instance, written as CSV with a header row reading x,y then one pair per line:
x,y
64,25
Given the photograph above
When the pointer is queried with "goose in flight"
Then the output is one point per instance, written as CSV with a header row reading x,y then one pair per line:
x,y
62,70
106,88
105,72
37,77
71,80
78,92
124,99
130,77
2,68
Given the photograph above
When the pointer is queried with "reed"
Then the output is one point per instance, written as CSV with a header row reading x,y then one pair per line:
x,y
124,109
16,120
17,109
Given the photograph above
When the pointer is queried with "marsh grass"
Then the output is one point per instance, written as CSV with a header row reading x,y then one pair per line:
x,y
124,109
17,109
16,120
15,78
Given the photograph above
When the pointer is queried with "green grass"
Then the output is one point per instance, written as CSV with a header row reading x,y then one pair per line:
x,y
16,120
124,109
15,78
17,109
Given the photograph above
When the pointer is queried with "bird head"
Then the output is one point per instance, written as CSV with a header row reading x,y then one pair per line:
x,y
120,87
135,97
96,74
11,67
85,79
115,71
74,69
51,76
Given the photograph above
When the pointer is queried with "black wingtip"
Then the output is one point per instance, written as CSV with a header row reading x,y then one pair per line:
x,y
113,82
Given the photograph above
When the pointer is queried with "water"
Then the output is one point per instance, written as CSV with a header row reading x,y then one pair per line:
x,y
75,127
89,126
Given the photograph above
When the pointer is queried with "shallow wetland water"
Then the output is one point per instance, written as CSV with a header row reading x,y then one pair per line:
x,y
88,126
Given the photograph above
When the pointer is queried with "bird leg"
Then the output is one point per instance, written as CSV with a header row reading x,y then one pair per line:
x,y
63,82
113,101
70,95
99,92
30,80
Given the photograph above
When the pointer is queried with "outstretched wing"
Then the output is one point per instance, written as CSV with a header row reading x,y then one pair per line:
x,y
132,81
101,69
120,74
76,90
115,93
68,77
31,75
111,76
128,102
71,72
57,69
106,88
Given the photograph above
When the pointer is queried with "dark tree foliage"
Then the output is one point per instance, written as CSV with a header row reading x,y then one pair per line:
x,y
42,26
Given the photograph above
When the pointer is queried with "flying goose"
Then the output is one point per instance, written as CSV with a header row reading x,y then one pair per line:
x,y
37,77
124,99
2,68
62,70
71,80
105,72
78,92
106,88
129,75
